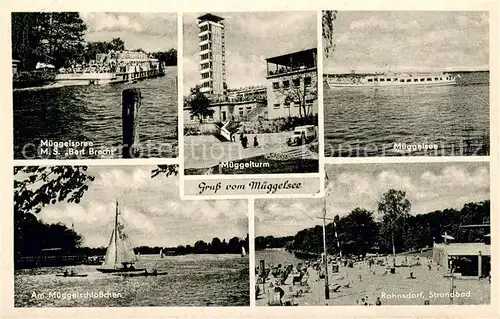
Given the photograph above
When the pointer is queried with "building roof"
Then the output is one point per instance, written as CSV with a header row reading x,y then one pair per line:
x,y
210,17
465,249
284,58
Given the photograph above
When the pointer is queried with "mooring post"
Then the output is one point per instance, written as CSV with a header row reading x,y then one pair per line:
x,y
131,103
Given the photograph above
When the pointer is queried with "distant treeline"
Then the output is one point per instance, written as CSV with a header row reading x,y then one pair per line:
x,y
32,236
359,232
57,38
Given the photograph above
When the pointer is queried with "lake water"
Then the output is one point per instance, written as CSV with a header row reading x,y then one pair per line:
x,y
191,280
275,257
367,121
94,114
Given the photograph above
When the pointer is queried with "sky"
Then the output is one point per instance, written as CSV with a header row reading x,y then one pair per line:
x,y
428,186
149,31
251,37
153,213
382,41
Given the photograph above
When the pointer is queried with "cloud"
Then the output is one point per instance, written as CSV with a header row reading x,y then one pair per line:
x,y
374,22
429,187
409,41
102,21
148,31
151,208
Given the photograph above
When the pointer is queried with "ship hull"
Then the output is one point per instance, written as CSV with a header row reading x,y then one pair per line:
x,y
390,80
119,270
104,78
340,85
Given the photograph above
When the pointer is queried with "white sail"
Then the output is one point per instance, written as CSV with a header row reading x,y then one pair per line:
x,y
119,250
243,252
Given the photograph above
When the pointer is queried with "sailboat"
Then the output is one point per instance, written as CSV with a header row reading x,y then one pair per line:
x,y
243,252
120,257
161,253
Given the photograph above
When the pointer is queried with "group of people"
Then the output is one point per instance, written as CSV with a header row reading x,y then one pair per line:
x,y
244,140
108,67
364,301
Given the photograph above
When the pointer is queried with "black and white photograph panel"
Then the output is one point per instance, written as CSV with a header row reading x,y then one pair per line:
x,y
250,93
94,85
392,234
119,236
406,83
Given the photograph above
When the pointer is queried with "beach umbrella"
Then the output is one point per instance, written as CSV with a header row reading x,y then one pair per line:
x,y
447,237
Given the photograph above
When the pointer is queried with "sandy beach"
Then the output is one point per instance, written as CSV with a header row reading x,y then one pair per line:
x,y
363,281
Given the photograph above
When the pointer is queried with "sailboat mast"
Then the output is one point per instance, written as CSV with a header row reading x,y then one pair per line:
x,y
116,232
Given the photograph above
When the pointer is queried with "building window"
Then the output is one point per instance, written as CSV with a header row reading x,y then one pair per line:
x,y
388,80
395,79
429,79
375,79
240,110
296,82
249,109
286,104
204,28
205,56
415,80
402,80
205,65
307,80
211,116
422,79
408,80
435,79
276,85
204,38
204,47
370,80
205,75
191,117
276,105
382,80
286,83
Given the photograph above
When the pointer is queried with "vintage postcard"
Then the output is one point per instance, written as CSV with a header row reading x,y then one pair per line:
x,y
393,234
259,159
406,83
94,85
119,236
250,93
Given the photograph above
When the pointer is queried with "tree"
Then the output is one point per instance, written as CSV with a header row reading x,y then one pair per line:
x,y
200,247
328,19
53,37
301,93
198,104
168,57
394,208
117,44
359,231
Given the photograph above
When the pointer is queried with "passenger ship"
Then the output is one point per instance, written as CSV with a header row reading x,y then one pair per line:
x,y
389,80
112,67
